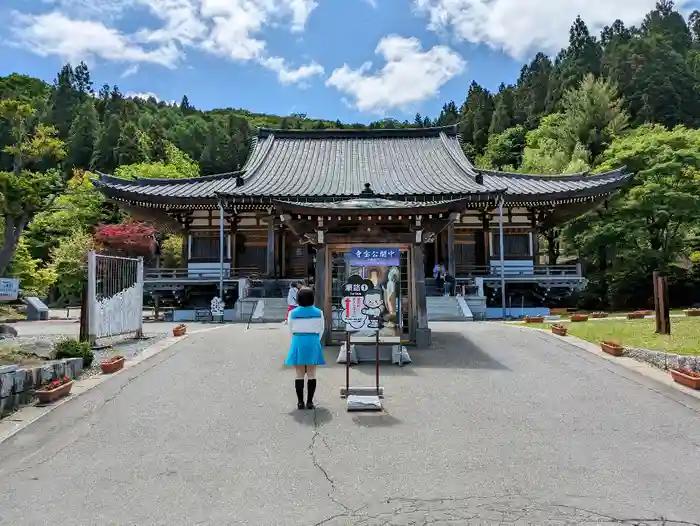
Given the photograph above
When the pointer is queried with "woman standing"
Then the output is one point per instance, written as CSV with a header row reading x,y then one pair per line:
x,y
306,324
292,298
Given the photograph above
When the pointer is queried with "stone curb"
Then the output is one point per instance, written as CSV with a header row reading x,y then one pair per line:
x,y
628,361
28,415
17,383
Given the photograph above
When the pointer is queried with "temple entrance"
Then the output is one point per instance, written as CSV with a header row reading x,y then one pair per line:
x,y
394,281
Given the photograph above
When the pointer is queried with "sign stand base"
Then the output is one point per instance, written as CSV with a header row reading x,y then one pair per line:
x,y
361,391
364,403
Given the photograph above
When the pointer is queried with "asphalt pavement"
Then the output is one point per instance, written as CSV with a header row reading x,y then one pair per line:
x,y
493,425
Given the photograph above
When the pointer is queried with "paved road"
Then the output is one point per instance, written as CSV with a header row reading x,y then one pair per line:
x,y
494,425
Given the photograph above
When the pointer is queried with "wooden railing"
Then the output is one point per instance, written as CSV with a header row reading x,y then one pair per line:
x,y
151,274
464,271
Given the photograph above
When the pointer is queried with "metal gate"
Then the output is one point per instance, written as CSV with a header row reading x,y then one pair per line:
x,y
115,296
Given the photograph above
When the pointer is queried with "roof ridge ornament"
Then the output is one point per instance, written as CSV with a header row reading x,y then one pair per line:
x,y
367,192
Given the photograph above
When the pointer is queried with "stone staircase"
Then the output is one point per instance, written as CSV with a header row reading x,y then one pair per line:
x,y
273,310
447,308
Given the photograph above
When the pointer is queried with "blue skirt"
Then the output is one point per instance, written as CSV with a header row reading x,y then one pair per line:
x,y
306,349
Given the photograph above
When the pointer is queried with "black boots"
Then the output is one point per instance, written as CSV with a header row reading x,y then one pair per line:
x,y
311,384
299,387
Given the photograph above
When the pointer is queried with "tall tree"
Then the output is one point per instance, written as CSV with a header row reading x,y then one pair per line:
x,y
63,101
83,136
23,191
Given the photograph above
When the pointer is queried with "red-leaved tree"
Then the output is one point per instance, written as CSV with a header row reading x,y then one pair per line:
x,y
132,239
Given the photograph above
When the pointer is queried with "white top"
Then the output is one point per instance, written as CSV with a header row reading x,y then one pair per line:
x,y
292,296
307,325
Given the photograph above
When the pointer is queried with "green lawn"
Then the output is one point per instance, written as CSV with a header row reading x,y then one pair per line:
x,y
684,338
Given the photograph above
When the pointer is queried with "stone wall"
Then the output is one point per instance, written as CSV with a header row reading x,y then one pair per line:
x,y
17,384
664,360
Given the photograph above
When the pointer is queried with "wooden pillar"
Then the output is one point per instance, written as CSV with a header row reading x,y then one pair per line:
x,y
661,304
533,233
270,268
451,261
321,287
283,253
487,250
420,329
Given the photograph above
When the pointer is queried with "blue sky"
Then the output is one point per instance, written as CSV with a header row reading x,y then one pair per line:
x,y
354,60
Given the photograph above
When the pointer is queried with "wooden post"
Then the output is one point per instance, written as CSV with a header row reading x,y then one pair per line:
x,y
661,304
270,246
320,291
84,334
451,262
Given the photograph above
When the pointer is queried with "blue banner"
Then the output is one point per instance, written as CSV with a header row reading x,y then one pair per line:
x,y
374,257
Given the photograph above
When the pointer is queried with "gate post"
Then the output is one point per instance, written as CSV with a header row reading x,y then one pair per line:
x,y
91,302
139,281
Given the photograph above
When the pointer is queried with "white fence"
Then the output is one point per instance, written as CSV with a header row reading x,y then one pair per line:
x,y
115,296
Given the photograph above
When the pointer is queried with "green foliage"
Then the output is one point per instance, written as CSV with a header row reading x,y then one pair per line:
x,y
171,252
649,227
177,165
72,348
34,280
69,264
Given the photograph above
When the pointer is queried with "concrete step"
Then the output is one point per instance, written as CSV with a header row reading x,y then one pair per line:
x,y
446,308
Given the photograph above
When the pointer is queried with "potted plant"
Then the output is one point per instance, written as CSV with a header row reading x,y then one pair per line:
x,y
559,329
534,319
72,348
612,348
54,390
579,317
112,364
180,330
686,377
637,315
692,312
599,315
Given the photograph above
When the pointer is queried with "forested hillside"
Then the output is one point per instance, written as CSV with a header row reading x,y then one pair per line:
x,y
629,96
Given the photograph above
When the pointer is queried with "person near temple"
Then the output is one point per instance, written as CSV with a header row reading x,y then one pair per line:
x,y
292,298
306,325
449,284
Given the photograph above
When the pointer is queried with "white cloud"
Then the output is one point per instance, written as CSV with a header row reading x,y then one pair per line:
x,y
75,40
522,27
84,29
288,75
147,95
409,76
131,70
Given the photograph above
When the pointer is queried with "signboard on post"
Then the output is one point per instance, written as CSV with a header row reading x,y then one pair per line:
x,y
362,304
374,257
9,289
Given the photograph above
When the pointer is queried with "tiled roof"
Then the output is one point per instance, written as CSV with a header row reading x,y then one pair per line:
x,y
545,187
332,163
320,165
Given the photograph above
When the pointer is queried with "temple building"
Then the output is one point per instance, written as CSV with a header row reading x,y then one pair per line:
x,y
305,199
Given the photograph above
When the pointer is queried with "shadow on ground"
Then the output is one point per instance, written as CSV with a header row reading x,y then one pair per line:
x,y
312,418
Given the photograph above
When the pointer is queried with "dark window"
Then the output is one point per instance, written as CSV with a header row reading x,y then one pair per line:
x,y
515,245
205,247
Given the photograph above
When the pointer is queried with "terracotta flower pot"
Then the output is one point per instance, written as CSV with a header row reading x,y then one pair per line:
x,y
112,365
692,312
180,330
612,348
579,317
559,330
637,315
689,380
48,396
534,319
599,315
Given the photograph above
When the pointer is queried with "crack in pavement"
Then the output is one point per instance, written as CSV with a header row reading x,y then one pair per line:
x,y
347,512
498,509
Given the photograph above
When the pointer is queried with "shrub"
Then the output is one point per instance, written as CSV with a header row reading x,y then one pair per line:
x,y
72,348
